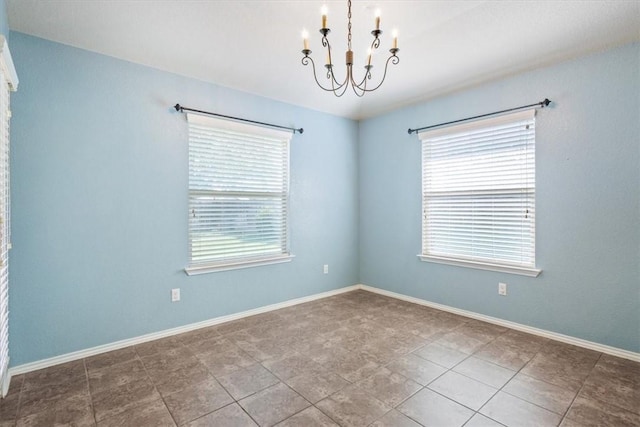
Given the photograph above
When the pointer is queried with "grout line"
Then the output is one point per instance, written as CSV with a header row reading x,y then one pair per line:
x,y
155,387
86,374
564,416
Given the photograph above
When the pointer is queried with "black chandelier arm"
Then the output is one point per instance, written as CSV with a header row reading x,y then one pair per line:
x,y
343,86
367,76
394,60
356,87
325,41
330,74
375,43
305,61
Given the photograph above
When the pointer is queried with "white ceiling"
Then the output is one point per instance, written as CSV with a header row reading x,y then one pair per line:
x,y
254,46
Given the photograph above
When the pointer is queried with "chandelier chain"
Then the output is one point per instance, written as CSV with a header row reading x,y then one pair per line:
x,y
349,26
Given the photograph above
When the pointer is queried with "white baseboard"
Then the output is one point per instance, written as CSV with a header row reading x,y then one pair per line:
x,y
625,354
81,354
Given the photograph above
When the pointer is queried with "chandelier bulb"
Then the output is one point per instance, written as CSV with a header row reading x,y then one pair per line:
x,y
323,11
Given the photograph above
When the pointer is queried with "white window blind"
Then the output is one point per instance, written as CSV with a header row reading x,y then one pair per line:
x,y
238,194
478,186
8,82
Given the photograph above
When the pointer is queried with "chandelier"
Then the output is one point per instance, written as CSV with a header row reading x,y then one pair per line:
x,y
340,87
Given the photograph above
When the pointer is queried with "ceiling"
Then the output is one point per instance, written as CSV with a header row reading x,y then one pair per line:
x,y
254,46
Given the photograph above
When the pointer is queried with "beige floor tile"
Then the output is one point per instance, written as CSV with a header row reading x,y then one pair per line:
x,y
414,367
9,409
511,350
113,401
512,411
485,372
222,363
352,366
479,420
54,375
74,411
291,365
116,375
389,387
198,335
168,382
49,397
156,346
169,360
149,414
394,418
549,396
352,407
464,390
589,412
229,416
616,386
274,404
247,381
443,356
310,417
431,409
111,358
197,400
565,372
317,386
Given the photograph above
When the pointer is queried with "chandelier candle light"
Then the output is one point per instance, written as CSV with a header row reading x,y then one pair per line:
x,y
336,87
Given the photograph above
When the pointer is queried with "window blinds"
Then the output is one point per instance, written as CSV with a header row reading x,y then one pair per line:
x,y
8,81
478,183
238,193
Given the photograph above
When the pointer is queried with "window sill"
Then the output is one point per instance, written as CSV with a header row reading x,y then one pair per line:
x,y
194,270
523,271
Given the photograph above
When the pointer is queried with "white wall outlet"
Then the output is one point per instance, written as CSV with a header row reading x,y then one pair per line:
x,y
502,288
175,295
326,269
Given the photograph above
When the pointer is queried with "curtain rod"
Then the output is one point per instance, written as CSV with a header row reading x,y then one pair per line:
x,y
541,104
182,109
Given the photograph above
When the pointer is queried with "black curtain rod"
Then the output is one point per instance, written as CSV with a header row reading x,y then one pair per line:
x,y
182,109
541,104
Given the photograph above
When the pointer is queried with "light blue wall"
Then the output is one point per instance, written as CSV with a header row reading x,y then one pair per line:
x,y
587,202
99,184
99,202
4,20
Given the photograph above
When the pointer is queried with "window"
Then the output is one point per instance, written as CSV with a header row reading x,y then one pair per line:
x,y
238,195
8,82
478,194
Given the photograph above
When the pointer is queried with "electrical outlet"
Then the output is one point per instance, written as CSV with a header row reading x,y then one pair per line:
x,y
502,289
175,295
326,269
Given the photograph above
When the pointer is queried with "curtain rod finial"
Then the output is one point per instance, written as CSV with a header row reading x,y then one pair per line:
x,y
546,102
410,131
301,130
178,107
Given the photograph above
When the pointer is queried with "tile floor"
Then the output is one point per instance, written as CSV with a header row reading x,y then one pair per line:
x,y
357,359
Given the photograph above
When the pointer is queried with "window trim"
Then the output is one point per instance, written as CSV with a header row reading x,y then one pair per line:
x,y
9,83
197,268
503,267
